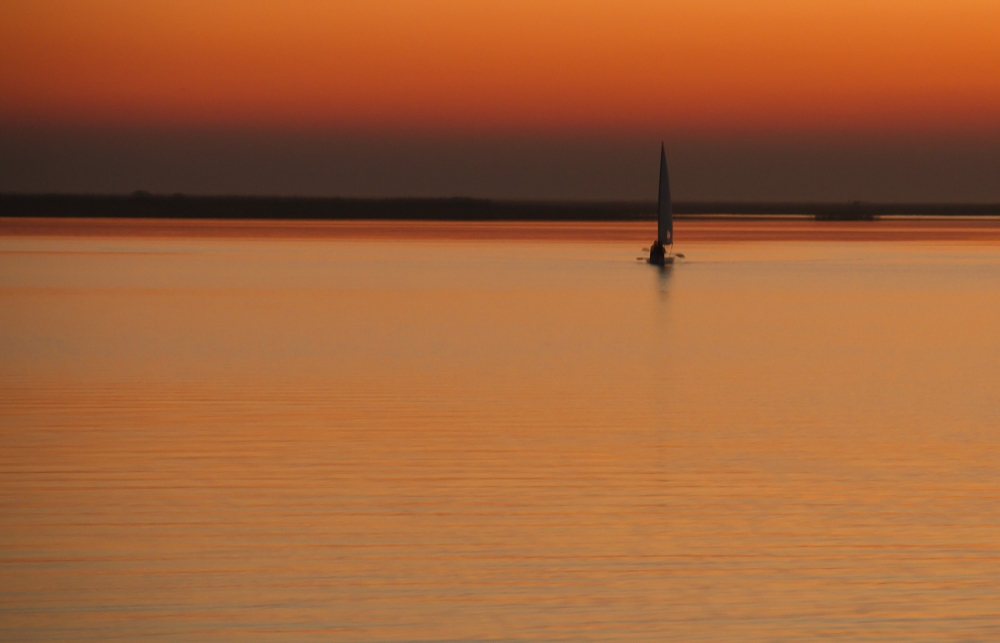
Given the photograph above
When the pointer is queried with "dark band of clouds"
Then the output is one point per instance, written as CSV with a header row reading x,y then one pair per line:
x,y
584,167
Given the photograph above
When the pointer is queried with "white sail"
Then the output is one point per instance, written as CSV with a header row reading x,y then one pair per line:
x,y
664,208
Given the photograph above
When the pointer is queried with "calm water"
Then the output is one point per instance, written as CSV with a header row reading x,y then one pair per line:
x,y
433,440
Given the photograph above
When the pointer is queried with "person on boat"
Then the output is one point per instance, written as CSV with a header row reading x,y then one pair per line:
x,y
657,252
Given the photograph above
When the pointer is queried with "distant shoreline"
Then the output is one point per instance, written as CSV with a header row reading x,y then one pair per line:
x,y
142,205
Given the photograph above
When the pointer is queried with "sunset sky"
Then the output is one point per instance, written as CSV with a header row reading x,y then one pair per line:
x,y
893,99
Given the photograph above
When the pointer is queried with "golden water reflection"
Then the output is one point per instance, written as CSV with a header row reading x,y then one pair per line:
x,y
211,438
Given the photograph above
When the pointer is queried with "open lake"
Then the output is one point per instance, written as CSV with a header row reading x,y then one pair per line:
x,y
488,432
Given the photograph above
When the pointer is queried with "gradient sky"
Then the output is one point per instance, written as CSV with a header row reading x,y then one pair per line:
x,y
895,99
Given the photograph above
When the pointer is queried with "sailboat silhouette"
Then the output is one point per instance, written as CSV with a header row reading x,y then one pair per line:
x,y
659,252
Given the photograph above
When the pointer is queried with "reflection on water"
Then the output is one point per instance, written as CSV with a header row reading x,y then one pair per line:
x,y
391,440
664,273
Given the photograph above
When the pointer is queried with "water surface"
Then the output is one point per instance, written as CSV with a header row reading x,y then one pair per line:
x,y
359,437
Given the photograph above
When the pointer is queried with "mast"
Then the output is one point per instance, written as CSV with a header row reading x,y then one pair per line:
x,y
664,207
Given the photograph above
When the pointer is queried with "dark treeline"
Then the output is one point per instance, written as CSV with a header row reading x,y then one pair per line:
x,y
144,205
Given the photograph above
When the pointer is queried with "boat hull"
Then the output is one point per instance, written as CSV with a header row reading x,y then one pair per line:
x,y
662,261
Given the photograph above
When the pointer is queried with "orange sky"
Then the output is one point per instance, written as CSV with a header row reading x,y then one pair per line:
x,y
498,65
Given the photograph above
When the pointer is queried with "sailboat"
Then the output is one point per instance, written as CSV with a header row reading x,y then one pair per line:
x,y
659,252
